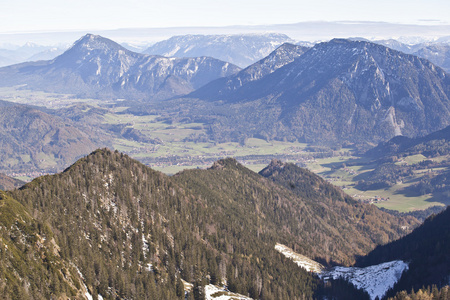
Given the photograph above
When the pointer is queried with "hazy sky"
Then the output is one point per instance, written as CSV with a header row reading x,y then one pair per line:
x,y
41,15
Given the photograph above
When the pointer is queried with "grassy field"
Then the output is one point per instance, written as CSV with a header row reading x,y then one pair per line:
x,y
177,151
334,170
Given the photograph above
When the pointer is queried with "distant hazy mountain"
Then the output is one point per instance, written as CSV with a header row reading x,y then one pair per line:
x,y
241,50
397,45
47,54
98,67
29,52
437,52
135,47
6,61
341,90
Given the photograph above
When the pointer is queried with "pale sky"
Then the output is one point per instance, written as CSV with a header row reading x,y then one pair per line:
x,y
60,15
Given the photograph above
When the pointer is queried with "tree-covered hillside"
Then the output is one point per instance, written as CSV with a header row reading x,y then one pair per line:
x,y
136,233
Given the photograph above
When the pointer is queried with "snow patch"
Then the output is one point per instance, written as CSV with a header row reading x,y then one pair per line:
x,y
213,292
376,280
149,267
88,296
301,260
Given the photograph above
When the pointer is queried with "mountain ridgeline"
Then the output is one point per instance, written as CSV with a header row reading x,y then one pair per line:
x,y
332,205
131,232
241,50
223,87
337,91
100,68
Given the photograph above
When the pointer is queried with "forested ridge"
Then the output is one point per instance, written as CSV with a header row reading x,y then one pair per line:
x,y
135,233
343,219
30,267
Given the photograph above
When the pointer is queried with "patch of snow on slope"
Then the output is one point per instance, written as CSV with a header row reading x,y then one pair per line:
x,y
301,260
213,292
376,280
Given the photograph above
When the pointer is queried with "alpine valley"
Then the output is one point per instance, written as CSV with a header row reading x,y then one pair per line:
x,y
245,125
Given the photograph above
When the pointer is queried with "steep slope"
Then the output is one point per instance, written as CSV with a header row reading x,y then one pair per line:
x,y
98,67
8,183
241,50
439,54
221,88
331,228
32,140
427,249
30,266
343,91
342,218
135,233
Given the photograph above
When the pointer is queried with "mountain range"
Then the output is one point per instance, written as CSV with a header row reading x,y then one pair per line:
x,y
333,93
241,50
337,91
436,52
98,67
29,52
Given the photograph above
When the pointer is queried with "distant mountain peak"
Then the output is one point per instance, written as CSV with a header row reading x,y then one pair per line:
x,y
357,90
92,41
101,68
